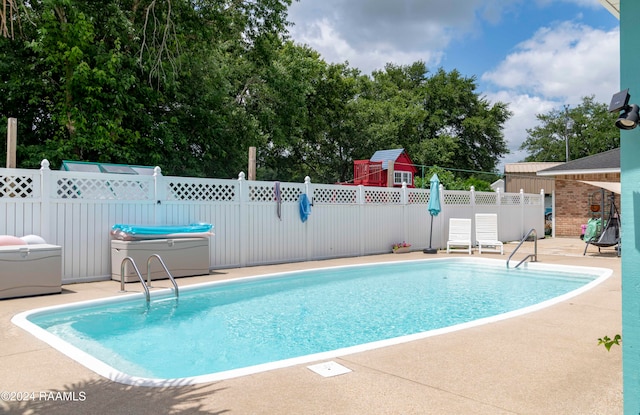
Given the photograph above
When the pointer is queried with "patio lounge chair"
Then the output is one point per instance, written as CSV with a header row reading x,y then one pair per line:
x,y
459,235
487,233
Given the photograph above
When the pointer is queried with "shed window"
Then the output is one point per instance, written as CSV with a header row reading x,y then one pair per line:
x,y
402,176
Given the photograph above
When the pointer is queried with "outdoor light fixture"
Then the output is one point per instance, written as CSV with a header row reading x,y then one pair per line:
x,y
628,120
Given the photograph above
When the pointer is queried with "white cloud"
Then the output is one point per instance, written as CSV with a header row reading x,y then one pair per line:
x,y
565,63
322,36
558,66
524,108
370,33
595,4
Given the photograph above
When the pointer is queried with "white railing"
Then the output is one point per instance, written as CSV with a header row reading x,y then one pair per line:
x,y
77,210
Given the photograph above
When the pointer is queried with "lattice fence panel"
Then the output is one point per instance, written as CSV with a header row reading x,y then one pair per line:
x,y
532,200
18,186
486,198
202,192
335,196
511,199
457,198
102,189
416,198
290,194
267,193
262,193
382,196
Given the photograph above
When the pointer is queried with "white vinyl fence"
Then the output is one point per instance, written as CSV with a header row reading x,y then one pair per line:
x,y
77,210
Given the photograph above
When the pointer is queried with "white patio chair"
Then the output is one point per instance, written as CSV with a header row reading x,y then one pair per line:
x,y
487,233
459,235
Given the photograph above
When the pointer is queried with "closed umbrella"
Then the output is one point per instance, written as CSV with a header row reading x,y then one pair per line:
x,y
434,208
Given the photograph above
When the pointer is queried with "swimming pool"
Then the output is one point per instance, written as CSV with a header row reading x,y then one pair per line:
x,y
233,328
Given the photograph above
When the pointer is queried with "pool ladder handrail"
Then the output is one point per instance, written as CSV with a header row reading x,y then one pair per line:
x,y
535,248
135,267
146,285
173,281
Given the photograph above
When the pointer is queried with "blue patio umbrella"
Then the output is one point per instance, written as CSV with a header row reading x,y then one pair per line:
x,y
434,208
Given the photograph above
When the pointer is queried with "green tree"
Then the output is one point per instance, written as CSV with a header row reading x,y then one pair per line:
x,y
439,118
588,127
451,181
467,129
190,86
142,82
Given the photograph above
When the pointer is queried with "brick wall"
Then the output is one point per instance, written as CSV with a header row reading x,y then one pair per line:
x,y
573,201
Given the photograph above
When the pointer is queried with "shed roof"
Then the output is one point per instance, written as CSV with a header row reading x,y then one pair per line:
x,y
528,167
605,162
386,155
97,167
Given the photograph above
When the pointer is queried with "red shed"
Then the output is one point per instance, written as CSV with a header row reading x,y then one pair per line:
x,y
373,172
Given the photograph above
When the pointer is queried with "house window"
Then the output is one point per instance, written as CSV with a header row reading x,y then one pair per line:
x,y
402,176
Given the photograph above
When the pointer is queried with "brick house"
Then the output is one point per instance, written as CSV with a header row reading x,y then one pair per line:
x,y
579,184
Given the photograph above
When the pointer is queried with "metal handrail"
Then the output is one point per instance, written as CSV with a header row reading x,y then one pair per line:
x,y
122,290
173,281
535,248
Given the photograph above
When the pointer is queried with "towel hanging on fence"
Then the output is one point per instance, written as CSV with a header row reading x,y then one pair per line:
x,y
278,196
305,207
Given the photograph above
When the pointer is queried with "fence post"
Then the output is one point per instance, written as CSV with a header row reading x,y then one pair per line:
x,y
404,201
308,239
472,199
544,219
46,224
441,217
360,201
522,227
244,229
159,195
472,202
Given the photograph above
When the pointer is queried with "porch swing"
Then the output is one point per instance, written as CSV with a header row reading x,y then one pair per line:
x,y
609,235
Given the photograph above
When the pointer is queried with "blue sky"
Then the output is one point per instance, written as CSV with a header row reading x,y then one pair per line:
x,y
535,55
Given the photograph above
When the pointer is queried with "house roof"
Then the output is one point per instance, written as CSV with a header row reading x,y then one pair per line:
x,y
386,155
613,6
605,162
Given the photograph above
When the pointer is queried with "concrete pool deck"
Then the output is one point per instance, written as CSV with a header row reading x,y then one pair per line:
x,y
545,362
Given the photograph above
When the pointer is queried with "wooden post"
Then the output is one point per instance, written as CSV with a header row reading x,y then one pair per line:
x,y
252,163
390,173
12,138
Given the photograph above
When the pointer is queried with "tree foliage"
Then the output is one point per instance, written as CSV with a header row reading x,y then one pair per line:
x,y
451,181
191,85
589,128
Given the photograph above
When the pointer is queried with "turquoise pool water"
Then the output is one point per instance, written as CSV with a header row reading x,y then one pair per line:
x,y
227,329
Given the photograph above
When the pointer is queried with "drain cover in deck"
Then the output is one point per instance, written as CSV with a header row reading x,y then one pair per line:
x,y
328,369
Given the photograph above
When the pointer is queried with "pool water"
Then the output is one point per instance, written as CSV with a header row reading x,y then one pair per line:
x,y
227,329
